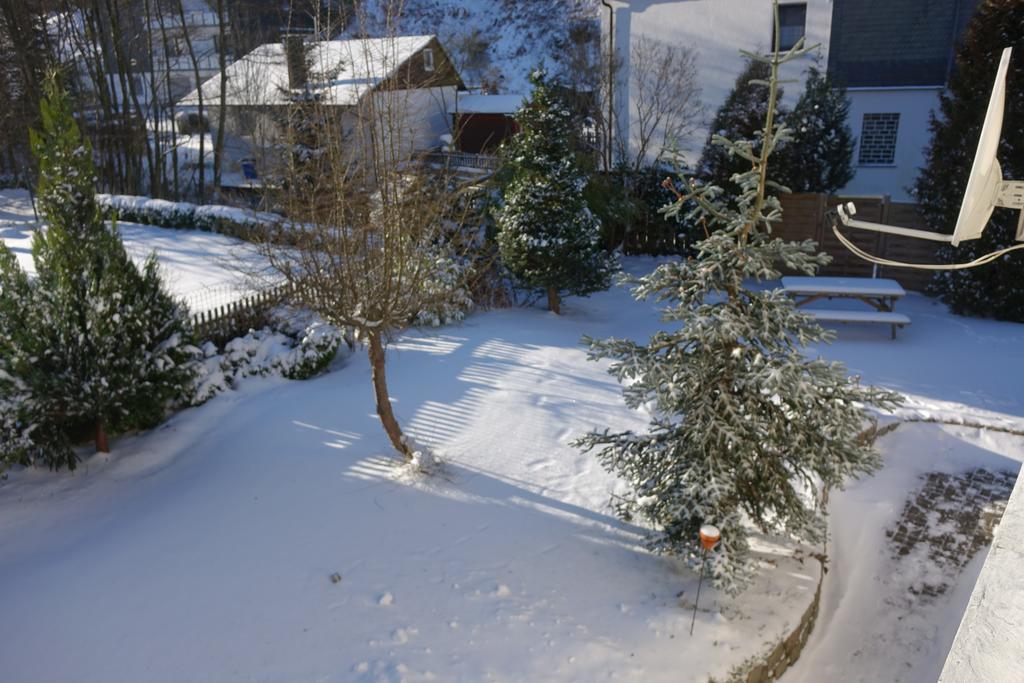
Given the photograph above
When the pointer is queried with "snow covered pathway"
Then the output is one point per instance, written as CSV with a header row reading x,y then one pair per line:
x,y
876,624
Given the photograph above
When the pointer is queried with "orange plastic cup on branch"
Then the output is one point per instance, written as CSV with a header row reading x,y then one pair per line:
x,y
709,536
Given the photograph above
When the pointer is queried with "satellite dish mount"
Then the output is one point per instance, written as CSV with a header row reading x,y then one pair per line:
x,y
986,190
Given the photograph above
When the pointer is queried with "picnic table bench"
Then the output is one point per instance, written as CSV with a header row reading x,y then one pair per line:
x,y
878,293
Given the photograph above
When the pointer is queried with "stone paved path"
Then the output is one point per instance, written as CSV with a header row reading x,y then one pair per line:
x,y
945,524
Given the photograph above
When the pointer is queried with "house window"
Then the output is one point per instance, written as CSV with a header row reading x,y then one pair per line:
x,y
792,24
428,59
878,139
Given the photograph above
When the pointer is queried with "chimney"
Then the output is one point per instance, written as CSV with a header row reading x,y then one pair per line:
x,y
295,58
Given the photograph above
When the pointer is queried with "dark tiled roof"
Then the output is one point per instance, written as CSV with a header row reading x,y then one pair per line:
x,y
895,42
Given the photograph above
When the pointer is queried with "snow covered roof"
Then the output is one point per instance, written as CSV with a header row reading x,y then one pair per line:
x,y
487,104
340,71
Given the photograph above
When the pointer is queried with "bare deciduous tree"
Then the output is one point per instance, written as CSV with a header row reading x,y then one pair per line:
x,y
366,214
665,106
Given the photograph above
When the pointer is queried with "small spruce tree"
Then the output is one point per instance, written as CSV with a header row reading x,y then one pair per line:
x,y
99,344
996,289
740,117
819,157
745,430
547,236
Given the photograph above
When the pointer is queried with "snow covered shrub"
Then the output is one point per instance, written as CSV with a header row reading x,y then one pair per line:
x,y
744,429
548,237
315,345
297,345
97,345
447,288
227,220
16,405
12,181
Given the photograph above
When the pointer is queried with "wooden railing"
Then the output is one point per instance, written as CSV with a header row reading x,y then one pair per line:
x,y
485,162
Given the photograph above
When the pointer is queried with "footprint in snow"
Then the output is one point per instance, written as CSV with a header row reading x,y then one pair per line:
x,y
401,635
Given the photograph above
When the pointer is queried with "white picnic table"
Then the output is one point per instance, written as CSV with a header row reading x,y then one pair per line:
x,y
879,294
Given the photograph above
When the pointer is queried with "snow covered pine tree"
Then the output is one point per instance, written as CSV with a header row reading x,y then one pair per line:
x,y
547,236
103,346
819,158
995,290
744,429
740,117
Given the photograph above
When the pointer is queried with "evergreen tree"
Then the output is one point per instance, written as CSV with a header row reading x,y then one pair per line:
x,y
744,427
17,406
995,289
740,117
99,344
548,237
819,157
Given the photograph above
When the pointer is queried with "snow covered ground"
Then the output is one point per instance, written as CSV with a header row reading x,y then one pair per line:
x,y
203,550
494,41
200,267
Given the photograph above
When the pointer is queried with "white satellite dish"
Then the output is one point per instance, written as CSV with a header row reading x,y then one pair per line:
x,y
986,190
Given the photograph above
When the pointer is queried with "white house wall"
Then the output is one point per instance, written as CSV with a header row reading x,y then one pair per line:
x,y
912,137
421,114
716,30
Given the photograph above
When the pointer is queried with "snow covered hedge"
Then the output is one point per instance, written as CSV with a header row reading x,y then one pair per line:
x,y
12,181
183,215
296,345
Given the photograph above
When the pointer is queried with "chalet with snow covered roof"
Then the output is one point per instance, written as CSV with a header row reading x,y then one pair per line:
x,y
338,75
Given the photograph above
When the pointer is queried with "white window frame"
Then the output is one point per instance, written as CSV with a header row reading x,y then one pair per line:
x,y
783,47
428,59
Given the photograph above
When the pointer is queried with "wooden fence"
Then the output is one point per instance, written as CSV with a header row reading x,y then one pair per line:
x,y
805,216
658,237
238,317
483,162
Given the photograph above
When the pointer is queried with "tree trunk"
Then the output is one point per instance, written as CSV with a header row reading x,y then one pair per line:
x,y
375,349
102,443
554,301
218,144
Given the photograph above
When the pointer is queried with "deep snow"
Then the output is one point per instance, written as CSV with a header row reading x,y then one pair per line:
x,y
200,267
203,550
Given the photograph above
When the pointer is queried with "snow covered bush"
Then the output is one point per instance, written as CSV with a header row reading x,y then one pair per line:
x,y
447,289
97,344
183,215
315,342
744,430
12,180
548,237
297,345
